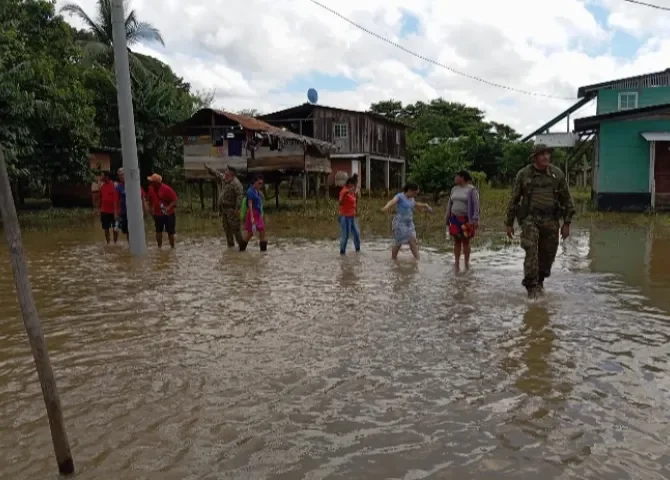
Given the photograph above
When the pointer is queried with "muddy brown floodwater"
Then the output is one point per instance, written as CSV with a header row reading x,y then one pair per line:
x,y
205,364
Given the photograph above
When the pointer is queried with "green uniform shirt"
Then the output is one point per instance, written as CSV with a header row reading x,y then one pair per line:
x,y
543,193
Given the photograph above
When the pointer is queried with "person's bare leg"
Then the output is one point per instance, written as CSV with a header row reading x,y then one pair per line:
x,y
457,253
394,252
116,236
466,253
107,238
159,239
414,247
171,239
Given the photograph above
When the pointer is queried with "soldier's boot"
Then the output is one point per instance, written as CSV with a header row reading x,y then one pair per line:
x,y
264,246
532,292
243,245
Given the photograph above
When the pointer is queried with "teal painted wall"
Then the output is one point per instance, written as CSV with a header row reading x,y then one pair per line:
x,y
624,155
608,100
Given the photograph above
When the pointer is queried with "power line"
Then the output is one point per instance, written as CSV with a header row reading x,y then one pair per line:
x,y
650,5
425,59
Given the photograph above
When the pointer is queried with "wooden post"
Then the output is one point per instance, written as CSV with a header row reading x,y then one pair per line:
x,y
189,195
215,196
31,322
202,194
368,174
403,173
304,180
387,179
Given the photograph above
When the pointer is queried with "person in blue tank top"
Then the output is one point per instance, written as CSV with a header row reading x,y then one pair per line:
x,y
404,232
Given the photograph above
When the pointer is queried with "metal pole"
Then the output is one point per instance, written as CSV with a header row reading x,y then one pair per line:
x,y
137,235
31,321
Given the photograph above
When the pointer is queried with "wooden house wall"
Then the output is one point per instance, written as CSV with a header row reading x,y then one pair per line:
x,y
366,134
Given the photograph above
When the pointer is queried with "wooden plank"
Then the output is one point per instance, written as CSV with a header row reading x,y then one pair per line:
x,y
31,322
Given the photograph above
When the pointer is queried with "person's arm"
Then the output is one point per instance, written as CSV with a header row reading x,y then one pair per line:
x,y
215,173
565,202
425,206
117,202
392,203
514,201
343,196
173,199
474,198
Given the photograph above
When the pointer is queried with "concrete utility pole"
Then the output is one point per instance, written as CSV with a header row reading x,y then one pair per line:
x,y
137,235
31,321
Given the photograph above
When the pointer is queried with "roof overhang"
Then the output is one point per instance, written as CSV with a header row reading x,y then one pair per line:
x,y
556,140
592,123
656,136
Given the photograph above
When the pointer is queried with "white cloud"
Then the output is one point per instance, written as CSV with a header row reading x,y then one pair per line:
x,y
250,50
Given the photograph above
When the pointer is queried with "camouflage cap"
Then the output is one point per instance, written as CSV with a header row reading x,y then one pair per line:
x,y
539,148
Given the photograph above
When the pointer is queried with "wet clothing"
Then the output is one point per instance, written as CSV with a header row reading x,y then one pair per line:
x,y
460,228
165,223
107,220
258,218
160,197
540,199
348,226
347,202
403,222
108,197
230,194
463,212
256,199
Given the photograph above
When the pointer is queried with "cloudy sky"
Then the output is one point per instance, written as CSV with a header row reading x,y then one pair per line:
x,y
265,54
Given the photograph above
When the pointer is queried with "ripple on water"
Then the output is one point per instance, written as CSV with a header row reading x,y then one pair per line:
x,y
209,364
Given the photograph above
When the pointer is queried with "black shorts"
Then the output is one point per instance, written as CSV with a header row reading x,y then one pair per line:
x,y
107,220
165,223
124,224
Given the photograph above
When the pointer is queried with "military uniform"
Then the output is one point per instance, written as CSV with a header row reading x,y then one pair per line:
x,y
540,198
229,203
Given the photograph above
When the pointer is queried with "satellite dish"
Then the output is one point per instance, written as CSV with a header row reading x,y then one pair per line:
x,y
312,96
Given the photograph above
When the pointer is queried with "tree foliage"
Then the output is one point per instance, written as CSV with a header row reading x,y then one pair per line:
x,y
447,136
58,101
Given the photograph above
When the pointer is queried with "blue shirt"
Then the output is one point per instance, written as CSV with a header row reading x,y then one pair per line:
x,y
121,188
404,208
255,196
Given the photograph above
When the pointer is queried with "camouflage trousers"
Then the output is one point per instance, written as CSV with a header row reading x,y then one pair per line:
x,y
232,226
539,238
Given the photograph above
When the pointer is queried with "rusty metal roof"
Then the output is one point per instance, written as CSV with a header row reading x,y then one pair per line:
x,y
254,124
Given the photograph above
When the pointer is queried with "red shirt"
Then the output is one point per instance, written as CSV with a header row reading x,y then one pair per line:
x,y
347,202
108,197
161,194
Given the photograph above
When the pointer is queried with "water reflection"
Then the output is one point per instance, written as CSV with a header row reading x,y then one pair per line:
x,y
207,363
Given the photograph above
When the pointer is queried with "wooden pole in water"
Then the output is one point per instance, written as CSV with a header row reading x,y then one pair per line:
x,y
32,323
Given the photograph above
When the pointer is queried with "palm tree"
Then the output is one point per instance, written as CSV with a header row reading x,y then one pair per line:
x,y
100,29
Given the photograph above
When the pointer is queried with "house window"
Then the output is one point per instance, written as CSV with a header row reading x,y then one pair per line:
x,y
379,133
341,130
397,137
627,100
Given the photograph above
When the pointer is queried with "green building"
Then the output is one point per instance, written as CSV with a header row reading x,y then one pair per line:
x,y
630,140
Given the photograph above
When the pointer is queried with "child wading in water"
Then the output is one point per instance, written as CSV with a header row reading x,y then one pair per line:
x,y
348,225
404,231
252,213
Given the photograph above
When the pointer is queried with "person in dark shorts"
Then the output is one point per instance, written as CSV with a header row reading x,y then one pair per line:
x,y
121,209
108,199
163,200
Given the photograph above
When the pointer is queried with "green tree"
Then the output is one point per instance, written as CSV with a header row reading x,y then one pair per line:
x,y
437,166
98,44
47,127
391,109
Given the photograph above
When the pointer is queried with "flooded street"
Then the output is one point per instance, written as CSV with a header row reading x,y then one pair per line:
x,y
207,364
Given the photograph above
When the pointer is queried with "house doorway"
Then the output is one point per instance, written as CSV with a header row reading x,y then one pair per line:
x,y
662,175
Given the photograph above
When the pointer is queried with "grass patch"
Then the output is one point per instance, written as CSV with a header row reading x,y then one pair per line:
x,y
317,219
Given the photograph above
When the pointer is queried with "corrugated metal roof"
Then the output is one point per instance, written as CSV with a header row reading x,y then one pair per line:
x,y
254,124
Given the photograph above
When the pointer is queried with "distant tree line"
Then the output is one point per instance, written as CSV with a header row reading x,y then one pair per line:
x,y
445,137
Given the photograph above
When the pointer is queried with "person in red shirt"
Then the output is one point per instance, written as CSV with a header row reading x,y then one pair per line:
x,y
107,207
163,202
348,224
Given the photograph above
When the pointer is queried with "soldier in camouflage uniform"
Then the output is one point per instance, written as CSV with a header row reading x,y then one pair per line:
x,y
230,195
540,199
